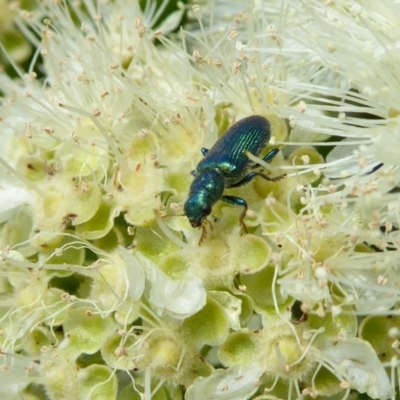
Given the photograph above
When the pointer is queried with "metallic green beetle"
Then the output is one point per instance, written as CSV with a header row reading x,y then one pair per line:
x,y
226,165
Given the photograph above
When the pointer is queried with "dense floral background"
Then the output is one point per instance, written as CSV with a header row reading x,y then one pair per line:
x,y
105,292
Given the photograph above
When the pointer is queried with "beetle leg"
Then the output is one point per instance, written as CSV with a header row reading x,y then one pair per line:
x,y
268,178
204,151
252,175
268,158
194,173
238,201
271,155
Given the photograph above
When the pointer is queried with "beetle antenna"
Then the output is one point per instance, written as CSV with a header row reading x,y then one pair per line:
x,y
241,222
210,225
204,230
203,234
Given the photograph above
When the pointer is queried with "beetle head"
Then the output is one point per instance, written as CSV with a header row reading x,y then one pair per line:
x,y
197,209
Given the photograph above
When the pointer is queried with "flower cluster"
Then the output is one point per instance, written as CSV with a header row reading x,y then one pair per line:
x,y
105,290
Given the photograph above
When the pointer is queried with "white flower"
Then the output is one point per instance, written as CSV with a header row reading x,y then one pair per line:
x,y
357,361
177,298
235,383
11,197
101,144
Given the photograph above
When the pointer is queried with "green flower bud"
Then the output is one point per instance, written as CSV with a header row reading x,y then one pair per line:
x,y
238,349
209,326
85,332
97,382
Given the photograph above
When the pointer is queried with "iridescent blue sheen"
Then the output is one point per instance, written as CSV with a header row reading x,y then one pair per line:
x,y
227,154
226,165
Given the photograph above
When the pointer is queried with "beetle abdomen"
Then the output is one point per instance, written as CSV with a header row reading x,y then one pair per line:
x,y
228,153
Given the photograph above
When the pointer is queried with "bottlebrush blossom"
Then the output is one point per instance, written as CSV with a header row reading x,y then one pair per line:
x,y
105,290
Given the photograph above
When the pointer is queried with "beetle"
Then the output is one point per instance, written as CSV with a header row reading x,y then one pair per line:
x,y
226,165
